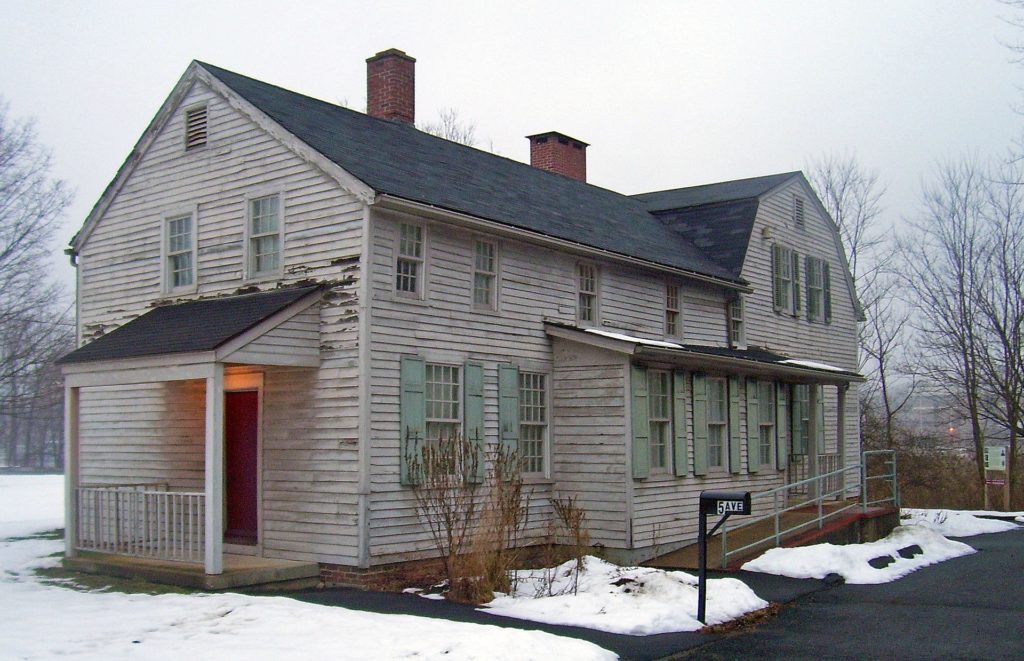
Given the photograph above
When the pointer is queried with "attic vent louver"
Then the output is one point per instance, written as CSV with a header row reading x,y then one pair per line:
x,y
195,127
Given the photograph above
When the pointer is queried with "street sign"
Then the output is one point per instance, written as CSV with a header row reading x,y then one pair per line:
x,y
995,457
724,504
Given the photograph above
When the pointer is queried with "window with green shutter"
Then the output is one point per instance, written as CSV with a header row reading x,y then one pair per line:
x,y
700,424
533,422
639,416
412,408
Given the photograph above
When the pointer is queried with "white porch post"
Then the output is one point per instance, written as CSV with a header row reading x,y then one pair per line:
x,y
214,561
841,429
70,471
813,469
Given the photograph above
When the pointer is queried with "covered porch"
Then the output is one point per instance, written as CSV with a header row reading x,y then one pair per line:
x,y
169,488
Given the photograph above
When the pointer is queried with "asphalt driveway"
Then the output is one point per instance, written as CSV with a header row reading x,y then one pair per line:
x,y
966,608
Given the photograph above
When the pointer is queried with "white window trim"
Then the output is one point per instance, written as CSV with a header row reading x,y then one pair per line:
x,y
724,466
669,423
596,321
247,250
495,297
819,265
421,282
546,441
678,335
166,285
460,399
741,341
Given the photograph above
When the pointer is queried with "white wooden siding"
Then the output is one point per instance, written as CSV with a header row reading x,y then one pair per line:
x,y
310,422
293,342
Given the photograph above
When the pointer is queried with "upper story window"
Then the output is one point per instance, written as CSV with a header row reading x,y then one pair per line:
x,y
737,328
718,422
819,289
485,275
264,235
180,253
659,417
533,421
409,264
785,280
798,210
195,127
586,277
443,395
673,316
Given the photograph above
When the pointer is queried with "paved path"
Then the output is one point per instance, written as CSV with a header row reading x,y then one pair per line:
x,y
966,608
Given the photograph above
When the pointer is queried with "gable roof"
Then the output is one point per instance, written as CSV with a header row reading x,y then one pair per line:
x,y
399,160
718,217
202,325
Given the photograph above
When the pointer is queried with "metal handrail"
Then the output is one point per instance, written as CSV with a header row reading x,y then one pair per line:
x,y
778,510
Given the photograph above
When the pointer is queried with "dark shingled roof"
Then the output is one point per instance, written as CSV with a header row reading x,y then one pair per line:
x,y
718,218
399,160
193,326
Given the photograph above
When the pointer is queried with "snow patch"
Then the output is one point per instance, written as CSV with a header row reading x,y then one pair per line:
x,y
635,340
851,561
952,523
812,364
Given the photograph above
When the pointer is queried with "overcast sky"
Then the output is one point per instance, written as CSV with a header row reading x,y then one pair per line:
x,y
668,94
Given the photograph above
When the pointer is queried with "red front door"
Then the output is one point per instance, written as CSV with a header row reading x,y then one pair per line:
x,y
241,423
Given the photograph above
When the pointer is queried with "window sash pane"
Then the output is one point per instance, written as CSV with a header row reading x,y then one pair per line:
x,y
265,253
410,242
532,421
181,269
442,401
483,287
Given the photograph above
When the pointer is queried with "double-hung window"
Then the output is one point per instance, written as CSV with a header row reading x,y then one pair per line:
x,y
737,331
533,421
485,275
673,327
264,235
801,422
442,402
766,424
815,288
785,280
659,417
180,250
409,264
718,422
586,276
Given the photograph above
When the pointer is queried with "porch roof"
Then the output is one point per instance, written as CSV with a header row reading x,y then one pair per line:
x,y
755,360
194,326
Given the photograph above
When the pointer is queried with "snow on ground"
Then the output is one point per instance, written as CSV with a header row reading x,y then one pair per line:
x,y
45,621
629,600
953,523
851,561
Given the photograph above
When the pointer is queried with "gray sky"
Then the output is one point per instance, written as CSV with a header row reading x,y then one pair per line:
x,y
668,94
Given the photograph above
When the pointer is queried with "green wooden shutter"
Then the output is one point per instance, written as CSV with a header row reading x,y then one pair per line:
x,y
679,423
734,425
412,418
826,281
781,439
821,420
796,284
473,418
797,412
508,408
808,268
777,277
753,428
641,422
700,424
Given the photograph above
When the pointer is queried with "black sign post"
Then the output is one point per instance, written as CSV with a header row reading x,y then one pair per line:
x,y
723,503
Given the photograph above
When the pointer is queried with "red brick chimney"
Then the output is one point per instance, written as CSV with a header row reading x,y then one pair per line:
x,y
391,86
557,152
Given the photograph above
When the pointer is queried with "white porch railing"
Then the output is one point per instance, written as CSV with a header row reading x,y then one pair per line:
x,y
144,520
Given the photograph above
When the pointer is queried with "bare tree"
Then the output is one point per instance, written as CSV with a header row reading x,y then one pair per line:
x,y
451,127
34,322
852,195
942,251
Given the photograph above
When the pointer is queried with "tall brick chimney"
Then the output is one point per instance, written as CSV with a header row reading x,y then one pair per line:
x,y
557,152
391,86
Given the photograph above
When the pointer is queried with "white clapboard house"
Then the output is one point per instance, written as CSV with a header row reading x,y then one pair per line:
x,y
275,293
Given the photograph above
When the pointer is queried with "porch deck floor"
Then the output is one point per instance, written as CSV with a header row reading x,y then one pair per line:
x,y
240,571
801,519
